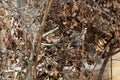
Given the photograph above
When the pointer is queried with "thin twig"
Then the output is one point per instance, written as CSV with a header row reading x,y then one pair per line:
x,y
115,52
111,67
49,32
102,69
84,31
41,30
103,52
105,62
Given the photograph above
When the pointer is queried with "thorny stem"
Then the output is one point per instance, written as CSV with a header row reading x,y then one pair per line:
x,y
41,30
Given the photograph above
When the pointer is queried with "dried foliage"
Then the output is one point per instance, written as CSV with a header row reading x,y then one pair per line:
x,y
57,39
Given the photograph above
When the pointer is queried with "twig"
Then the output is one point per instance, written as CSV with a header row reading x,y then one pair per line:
x,y
105,61
83,40
46,44
115,52
49,32
104,64
12,70
41,30
102,69
84,30
103,52
111,67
